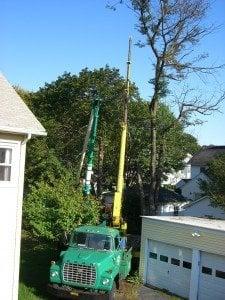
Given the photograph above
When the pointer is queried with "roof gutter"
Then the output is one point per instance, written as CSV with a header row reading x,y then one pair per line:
x,y
15,130
27,138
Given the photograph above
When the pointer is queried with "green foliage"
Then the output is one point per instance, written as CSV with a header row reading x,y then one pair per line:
x,y
214,186
177,143
52,201
51,210
64,106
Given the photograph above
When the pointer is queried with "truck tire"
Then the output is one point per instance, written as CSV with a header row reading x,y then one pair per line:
x,y
112,294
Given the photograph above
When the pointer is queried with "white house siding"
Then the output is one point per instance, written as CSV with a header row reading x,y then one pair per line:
x,y
174,177
191,190
203,208
10,217
195,170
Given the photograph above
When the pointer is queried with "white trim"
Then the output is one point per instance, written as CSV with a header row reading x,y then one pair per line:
x,y
13,146
193,294
19,219
191,203
17,130
147,241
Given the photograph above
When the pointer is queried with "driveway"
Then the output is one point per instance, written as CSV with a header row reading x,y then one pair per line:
x,y
129,292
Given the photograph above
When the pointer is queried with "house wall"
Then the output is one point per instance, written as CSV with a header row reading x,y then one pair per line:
x,y
203,208
181,235
195,170
191,189
169,209
10,217
174,177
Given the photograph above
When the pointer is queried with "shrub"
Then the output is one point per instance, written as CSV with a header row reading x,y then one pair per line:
x,y
51,210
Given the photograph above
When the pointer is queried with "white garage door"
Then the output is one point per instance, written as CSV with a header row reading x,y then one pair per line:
x,y
212,277
169,267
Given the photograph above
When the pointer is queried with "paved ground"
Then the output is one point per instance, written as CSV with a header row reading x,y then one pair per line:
x,y
146,293
129,292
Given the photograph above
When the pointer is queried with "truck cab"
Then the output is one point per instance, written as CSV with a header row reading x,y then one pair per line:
x,y
94,263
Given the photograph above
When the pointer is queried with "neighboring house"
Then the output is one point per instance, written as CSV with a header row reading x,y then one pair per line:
x,y
184,255
17,125
202,208
174,177
170,202
190,188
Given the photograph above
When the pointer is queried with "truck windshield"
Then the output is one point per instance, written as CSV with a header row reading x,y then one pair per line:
x,y
91,240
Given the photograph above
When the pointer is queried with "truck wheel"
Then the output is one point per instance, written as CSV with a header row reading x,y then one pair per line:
x,y
112,294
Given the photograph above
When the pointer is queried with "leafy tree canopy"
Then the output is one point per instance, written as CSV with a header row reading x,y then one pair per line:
x,y
214,186
63,106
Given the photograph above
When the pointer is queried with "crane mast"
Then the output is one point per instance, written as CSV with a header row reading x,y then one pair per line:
x,y
91,137
118,197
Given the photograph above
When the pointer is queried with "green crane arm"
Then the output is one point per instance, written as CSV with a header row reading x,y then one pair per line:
x,y
91,145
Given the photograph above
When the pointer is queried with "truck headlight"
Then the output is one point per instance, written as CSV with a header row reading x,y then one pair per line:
x,y
54,273
105,281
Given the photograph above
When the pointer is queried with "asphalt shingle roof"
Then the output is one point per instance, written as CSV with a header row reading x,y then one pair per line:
x,y
15,116
205,155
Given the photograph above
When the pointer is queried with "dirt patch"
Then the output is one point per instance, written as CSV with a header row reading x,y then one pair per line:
x,y
128,291
136,291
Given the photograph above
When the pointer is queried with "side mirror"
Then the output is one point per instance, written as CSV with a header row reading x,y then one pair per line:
x,y
122,243
63,242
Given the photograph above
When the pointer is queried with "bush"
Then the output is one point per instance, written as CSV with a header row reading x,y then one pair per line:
x,y
51,210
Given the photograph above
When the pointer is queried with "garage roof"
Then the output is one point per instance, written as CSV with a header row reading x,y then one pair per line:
x,y
193,221
15,116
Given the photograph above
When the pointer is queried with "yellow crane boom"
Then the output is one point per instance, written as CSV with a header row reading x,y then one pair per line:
x,y
118,197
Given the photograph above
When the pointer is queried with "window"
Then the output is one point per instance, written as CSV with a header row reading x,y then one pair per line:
x,y
186,264
175,261
91,240
5,164
164,258
153,255
220,274
207,271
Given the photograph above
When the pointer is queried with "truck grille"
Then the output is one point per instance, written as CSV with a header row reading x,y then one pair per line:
x,y
79,274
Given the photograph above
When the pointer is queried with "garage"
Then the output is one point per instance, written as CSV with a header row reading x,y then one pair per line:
x,y
184,255
212,277
169,267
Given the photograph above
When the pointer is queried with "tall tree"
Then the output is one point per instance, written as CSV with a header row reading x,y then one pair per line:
x,y
171,29
214,186
64,106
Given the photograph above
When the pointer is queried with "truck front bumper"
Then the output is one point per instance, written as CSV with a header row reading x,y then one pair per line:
x,y
66,292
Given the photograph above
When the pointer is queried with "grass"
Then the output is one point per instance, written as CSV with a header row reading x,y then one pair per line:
x,y
34,269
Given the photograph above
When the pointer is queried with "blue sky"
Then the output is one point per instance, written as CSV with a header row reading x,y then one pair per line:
x,y
42,39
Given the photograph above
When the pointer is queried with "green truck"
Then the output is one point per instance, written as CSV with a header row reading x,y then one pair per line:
x,y
94,264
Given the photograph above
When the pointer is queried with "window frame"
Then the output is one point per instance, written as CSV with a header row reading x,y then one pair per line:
x,y
153,255
175,259
7,164
187,265
14,146
164,258
207,270
220,274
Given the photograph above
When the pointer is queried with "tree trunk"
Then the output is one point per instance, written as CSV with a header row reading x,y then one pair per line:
x,y
153,159
141,190
153,107
159,173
